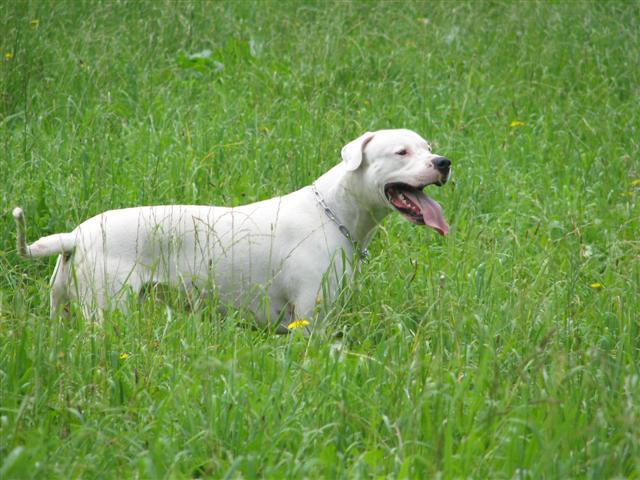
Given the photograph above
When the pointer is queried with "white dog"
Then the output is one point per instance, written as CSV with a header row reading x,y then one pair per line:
x,y
279,258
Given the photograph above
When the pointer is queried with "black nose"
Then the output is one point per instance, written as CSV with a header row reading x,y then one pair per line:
x,y
442,164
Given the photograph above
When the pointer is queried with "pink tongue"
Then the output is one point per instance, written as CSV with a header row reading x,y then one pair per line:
x,y
431,211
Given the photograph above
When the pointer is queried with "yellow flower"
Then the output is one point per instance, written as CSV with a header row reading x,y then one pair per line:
x,y
636,183
8,55
298,324
35,23
124,356
596,285
516,123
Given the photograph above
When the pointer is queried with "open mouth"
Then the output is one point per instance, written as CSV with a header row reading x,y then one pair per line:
x,y
415,206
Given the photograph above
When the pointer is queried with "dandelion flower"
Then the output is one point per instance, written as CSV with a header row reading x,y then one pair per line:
x,y
596,285
8,55
124,356
298,324
516,123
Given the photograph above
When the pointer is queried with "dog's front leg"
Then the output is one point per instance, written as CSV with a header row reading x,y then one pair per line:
x,y
292,321
303,315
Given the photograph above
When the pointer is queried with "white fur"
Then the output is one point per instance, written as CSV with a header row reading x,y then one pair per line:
x,y
275,257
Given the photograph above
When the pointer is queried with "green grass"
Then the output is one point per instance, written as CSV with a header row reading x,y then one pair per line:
x,y
486,354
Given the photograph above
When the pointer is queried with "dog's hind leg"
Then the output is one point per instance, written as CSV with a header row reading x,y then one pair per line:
x,y
59,294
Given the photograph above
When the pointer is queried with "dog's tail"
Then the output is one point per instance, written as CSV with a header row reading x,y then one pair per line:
x,y
59,243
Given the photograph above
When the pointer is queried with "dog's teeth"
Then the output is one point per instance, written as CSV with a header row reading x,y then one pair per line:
x,y
408,204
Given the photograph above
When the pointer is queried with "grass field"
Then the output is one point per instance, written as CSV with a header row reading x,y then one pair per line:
x,y
509,349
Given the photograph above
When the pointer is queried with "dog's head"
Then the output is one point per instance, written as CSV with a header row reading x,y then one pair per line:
x,y
397,165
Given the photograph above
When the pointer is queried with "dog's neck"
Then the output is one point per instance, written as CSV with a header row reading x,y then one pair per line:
x,y
345,195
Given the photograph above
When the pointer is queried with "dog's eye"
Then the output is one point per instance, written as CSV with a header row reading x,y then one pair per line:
x,y
402,152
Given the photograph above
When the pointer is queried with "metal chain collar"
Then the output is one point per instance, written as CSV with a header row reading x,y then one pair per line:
x,y
363,253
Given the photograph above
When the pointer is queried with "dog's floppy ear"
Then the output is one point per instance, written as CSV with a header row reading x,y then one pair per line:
x,y
353,151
